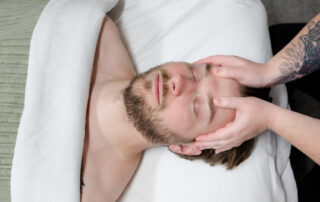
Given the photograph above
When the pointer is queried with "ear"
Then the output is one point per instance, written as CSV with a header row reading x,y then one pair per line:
x,y
187,149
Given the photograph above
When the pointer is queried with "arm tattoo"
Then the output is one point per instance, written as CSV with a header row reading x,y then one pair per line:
x,y
302,58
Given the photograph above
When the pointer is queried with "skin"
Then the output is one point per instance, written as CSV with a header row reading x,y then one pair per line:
x,y
113,147
120,144
191,88
299,58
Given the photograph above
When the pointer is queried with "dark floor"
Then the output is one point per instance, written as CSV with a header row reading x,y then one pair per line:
x,y
304,97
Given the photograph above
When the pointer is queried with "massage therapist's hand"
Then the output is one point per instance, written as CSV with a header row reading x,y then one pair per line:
x,y
246,72
252,117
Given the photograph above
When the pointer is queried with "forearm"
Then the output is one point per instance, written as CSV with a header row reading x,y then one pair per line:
x,y
298,58
301,131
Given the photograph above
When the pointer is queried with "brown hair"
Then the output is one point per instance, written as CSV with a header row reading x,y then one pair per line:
x,y
230,158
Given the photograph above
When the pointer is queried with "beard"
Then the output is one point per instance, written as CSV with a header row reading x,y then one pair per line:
x,y
143,117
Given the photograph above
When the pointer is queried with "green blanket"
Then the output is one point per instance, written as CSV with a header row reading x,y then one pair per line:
x,y
17,20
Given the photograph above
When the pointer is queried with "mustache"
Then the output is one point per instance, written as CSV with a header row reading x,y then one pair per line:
x,y
147,84
165,88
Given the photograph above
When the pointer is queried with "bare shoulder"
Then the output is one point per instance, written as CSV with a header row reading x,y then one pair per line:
x,y
109,27
112,60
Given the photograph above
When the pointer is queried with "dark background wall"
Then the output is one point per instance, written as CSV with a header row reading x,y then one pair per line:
x,y
284,11
286,18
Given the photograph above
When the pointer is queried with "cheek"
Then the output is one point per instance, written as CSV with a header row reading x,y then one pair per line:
x,y
171,117
176,119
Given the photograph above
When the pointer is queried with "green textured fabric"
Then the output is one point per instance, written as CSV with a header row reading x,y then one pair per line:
x,y
17,20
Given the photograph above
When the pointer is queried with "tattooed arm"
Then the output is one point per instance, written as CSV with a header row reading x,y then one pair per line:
x,y
300,57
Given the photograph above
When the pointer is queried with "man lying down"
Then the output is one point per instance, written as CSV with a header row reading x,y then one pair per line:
x,y
169,105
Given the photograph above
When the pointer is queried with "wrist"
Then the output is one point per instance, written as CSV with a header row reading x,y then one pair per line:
x,y
270,73
271,116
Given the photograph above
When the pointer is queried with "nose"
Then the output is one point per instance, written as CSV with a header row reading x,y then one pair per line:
x,y
177,84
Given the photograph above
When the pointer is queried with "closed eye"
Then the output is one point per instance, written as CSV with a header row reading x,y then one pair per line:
x,y
194,78
196,106
191,68
192,72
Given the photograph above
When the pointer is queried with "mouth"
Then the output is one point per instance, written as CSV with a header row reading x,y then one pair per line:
x,y
157,88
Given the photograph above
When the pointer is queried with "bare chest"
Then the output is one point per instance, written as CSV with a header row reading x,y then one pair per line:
x,y
101,170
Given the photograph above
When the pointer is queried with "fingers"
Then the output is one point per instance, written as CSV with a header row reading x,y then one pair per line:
x,y
219,146
218,60
211,137
217,151
227,66
213,145
236,73
221,140
223,134
229,102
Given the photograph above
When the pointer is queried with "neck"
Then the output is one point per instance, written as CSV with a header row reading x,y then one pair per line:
x,y
120,136
130,140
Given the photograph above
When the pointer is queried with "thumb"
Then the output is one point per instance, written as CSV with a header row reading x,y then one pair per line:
x,y
229,102
217,60
229,72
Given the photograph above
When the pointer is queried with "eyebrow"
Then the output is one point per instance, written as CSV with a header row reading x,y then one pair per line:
x,y
210,103
208,67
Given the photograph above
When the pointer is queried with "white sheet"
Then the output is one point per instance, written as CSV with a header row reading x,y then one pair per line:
x,y
166,30
46,164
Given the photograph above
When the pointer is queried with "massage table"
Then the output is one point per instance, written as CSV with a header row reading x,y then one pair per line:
x,y
48,149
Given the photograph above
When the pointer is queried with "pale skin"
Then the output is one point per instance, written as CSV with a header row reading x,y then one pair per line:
x,y
113,147
299,58
109,157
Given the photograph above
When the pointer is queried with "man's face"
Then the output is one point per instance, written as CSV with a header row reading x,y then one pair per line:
x,y
181,96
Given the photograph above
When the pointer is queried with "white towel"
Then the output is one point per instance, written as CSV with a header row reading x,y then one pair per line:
x,y
47,156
